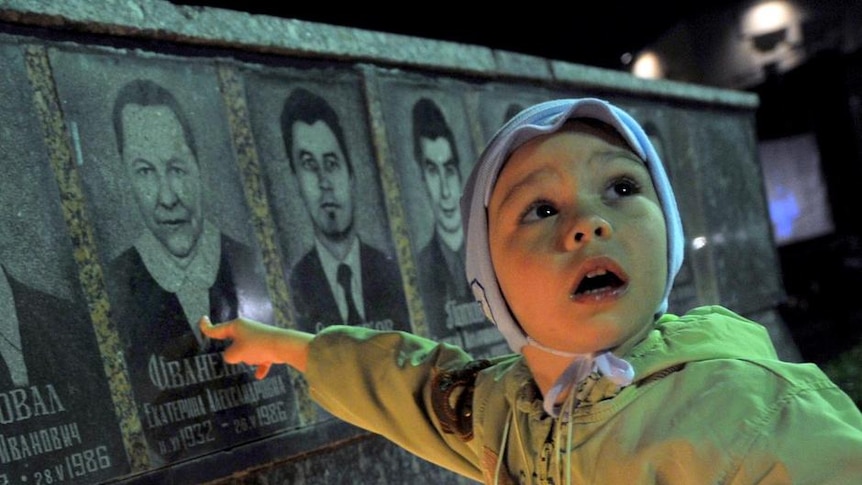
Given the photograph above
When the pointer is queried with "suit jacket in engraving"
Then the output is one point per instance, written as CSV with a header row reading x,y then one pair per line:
x,y
381,291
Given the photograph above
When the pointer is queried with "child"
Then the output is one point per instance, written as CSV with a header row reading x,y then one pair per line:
x,y
573,242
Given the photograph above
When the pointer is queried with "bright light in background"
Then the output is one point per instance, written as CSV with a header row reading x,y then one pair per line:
x,y
771,37
768,17
698,242
648,65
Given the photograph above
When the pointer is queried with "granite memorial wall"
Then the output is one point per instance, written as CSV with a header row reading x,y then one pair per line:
x,y
147,181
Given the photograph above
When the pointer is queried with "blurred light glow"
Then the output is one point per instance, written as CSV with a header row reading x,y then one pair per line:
x,y
768,17
648,65
698,242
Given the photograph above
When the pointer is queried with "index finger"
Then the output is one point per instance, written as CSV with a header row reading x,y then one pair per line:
x,y
221,331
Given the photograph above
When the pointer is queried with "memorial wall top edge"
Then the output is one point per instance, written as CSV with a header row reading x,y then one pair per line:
x,y
160,20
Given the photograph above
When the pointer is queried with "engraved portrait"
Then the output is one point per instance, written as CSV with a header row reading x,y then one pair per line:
x,y
55,403
172,225
684,295
339,259
498,103
440,261
433,152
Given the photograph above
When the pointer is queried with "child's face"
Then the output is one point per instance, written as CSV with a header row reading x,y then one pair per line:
x,y
566,206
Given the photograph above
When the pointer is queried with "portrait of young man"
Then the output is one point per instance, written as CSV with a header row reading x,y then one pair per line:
x,y
432,147
341,279
441,260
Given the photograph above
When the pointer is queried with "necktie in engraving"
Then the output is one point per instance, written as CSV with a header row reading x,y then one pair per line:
x,y
344,278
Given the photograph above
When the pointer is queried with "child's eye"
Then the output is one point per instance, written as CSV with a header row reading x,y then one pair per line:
x,y
538,211
624,187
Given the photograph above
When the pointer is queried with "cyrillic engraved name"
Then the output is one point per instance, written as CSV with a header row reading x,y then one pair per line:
x,y
29,402
27,445
248,393
463,314
174,374
174,411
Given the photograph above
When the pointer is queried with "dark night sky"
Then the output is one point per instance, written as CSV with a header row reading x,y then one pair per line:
x,y
593,33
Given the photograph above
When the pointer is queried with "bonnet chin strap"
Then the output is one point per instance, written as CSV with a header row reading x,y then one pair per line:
x,y
618,370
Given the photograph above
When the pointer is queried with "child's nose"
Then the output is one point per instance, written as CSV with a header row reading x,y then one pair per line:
x,y
585,229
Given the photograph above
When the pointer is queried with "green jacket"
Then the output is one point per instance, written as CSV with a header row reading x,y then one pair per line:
x,y
710,404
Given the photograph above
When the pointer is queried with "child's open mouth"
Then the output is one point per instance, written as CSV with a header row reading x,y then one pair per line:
x,y
601,280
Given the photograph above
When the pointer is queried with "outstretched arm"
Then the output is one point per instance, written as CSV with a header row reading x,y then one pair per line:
x,y
260,344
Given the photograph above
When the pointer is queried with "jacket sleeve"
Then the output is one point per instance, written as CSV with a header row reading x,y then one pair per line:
x,y
810,436
384,382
